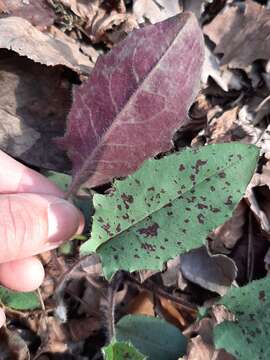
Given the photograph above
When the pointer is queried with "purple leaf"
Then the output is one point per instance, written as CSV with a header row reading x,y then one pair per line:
x,y
135,99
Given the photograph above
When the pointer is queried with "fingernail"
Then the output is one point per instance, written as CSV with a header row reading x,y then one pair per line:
x,y
63,221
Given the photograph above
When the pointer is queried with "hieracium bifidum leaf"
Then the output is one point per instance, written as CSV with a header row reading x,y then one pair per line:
x,y
169,206
135,99
248,336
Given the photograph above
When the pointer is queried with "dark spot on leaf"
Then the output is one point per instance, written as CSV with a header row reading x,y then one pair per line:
x,y
182,167
100,220
106,227
162,247
127,199
222,174
203,198
188,209
125,216
157,257
199,163
212,188
150,231
262,295
229,200
162,191
239,156
115,257
192,177
119,207
151,188
118,228
214,210
148,247
202,206
137,181
169,213
166,240
200,218
137,256
179,243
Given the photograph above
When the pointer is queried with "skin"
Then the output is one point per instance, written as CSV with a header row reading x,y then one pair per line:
x,y
34,218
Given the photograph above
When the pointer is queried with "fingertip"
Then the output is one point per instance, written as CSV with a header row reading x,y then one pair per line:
x,y
64,221
2,318
22,275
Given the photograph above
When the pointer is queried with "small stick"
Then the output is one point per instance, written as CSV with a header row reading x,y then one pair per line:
x,y
153,288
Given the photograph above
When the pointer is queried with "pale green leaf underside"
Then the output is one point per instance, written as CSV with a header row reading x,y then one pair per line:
x,y
169,206
19,300
248,337
122,351
153,337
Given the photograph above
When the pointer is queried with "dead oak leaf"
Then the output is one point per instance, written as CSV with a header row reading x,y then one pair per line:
x,y
19,35
244,38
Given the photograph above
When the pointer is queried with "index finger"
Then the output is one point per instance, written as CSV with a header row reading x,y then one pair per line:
x,y
17,178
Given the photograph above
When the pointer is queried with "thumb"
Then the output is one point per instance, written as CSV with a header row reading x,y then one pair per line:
x,y
32,223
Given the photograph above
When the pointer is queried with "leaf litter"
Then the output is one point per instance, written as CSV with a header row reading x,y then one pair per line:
x,y
62,42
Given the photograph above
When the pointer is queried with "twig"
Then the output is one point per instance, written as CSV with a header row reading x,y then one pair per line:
x,y
250,254
110,308
153,288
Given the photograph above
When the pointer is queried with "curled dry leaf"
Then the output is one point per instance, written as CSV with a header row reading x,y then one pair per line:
x,y
242,40
261,206
19,35
215,273
37,12
129,109
154,11
200,334
221,128
99,18
226,236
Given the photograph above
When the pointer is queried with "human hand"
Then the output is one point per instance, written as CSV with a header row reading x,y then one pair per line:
x,y
34,218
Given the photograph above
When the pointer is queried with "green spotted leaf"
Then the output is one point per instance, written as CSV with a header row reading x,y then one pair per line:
x,y
19,300
169,206
153,337
248,336
122,351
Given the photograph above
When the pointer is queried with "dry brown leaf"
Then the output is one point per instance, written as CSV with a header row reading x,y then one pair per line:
x,y
155,10
224,77
34,101
244,38
258,195
224,238
200,334
19,35
172,312
222,128
37,12
12,346
101,21
142,304
199,349
215,273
